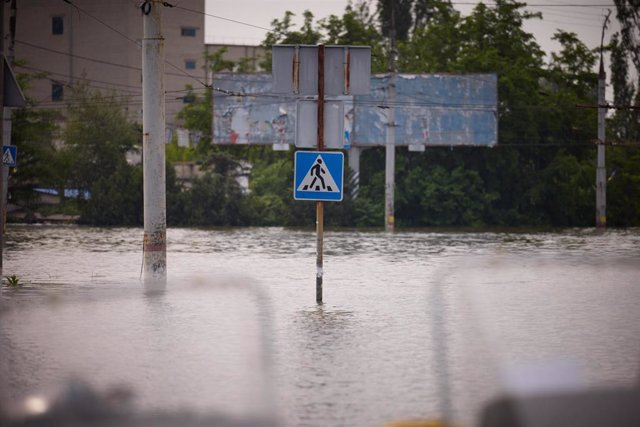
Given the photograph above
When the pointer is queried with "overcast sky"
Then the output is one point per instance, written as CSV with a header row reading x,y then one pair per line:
x,y
585,21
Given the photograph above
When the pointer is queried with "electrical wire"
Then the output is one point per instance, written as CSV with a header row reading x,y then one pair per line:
x,y
100,61
223,18
184,73
536,4
109,84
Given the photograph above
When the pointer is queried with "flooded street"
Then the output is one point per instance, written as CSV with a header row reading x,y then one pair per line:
x,y
415,324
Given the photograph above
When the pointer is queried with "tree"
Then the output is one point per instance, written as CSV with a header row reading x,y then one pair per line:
x,y
624,126
625,46
628,14
33,131
116,199
435,42
395,15
282,33
356,27
97,136
574,64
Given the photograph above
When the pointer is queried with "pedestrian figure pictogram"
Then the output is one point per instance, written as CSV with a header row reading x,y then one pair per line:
x,y
317,176
318,179
9,155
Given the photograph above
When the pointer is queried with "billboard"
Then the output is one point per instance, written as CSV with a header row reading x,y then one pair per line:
x,y
430,110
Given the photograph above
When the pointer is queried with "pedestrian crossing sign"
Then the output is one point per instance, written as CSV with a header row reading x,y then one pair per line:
x,y
318,175
9,155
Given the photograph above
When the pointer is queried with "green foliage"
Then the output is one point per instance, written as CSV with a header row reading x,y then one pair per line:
x,y
216,62
33,131
97,136
282,33
395,15
196,115
624,126
442,197
174,153
564,192
623,186
434,47
356,27
628,14
212,200
116,199
13,281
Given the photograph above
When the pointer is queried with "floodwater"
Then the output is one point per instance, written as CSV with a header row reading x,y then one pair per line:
x,y
415,324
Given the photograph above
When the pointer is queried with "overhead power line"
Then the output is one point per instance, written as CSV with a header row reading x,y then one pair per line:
x,y
538,4
99,61
222,18
137,43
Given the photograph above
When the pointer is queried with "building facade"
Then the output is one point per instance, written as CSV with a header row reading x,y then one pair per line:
x,y
99,42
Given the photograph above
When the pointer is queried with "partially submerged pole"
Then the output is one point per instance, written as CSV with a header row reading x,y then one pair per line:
x,y
601,171
390,149
153,126
390,159
319,204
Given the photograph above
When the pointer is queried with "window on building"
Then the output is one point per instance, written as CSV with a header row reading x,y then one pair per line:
x,y
57,25
189,99
190,64
57,92
188,31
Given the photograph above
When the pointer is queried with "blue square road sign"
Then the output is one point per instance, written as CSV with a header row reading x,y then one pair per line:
x,y
9,155
319,176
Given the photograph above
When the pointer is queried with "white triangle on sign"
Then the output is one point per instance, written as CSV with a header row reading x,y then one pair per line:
x,y
7,159
318,179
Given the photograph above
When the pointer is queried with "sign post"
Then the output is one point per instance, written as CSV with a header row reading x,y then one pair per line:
x,y
319,204
301,71
319,176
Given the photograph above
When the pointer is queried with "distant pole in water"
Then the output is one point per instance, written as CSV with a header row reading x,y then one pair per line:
x,y
390,146
153,127
319,204
601,171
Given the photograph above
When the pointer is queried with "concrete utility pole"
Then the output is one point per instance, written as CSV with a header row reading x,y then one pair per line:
x,y
390,154
153,127
601,171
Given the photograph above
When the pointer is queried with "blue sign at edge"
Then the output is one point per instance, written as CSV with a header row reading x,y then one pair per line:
x,y
305,161
12,158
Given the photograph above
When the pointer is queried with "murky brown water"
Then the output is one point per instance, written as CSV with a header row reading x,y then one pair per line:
x,y
415,324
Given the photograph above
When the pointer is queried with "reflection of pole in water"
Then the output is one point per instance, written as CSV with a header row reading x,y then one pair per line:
x,y
441,351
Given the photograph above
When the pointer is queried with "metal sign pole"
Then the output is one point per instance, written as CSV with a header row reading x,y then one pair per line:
x,y
319,204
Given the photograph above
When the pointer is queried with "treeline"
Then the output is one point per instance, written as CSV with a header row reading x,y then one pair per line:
x,y
541,173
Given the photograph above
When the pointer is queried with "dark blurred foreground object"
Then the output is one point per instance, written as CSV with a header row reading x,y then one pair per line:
x,y
79,405
597,408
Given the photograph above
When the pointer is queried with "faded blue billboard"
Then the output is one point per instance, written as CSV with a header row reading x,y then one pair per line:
x,y
430,109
